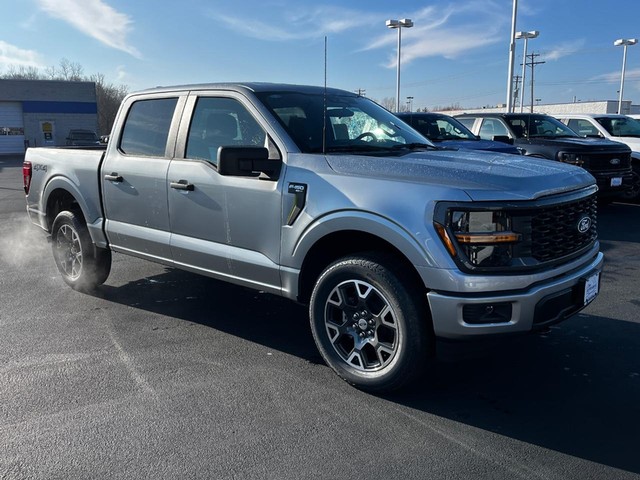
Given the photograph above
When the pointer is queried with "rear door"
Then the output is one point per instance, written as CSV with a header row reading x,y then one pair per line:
x,y
224,226
134,177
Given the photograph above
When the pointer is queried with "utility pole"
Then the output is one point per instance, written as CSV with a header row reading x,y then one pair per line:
x,y
516,91
361,92
533,64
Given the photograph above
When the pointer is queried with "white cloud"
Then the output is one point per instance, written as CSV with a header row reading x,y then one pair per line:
x,y
12,56
447,31
297,25
121,73
94,18
614,77
563,50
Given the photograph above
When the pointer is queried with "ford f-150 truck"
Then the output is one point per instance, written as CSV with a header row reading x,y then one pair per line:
x,y
326,198
542,136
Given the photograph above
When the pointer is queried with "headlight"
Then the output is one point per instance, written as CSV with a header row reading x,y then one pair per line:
x,y
572,158
481,238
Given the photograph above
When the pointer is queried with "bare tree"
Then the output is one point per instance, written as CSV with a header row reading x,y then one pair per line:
x,y
71,71
22,73
108,98
389,103
453,106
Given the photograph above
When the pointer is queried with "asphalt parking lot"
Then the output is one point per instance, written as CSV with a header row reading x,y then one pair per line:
x,y
165,374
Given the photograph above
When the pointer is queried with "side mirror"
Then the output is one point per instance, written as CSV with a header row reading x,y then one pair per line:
x,y
245,161
503,139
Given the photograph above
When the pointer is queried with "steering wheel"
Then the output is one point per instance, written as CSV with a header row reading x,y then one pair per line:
x,y
364,135
547,132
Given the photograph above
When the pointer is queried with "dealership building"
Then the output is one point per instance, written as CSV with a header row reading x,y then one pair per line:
x,y
41,112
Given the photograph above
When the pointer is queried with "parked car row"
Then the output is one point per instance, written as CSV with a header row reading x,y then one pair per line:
x,y
608,146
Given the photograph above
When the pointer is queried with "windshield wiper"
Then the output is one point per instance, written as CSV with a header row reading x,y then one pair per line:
x,y
415,146
353,148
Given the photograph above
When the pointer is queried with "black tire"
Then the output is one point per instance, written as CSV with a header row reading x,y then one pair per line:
x,y
371,323
83,266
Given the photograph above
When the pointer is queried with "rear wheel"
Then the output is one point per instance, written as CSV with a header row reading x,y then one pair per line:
x,y
370,323
82,265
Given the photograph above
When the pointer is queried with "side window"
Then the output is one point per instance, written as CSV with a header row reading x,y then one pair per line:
x,y
218,122
467,122
583,127
491,127
146,128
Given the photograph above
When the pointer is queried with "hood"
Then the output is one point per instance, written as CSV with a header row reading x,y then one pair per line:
x,y
593,144
480,145
481,175
632,142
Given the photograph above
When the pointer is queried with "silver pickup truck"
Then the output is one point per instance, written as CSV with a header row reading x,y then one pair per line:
x,y
324,197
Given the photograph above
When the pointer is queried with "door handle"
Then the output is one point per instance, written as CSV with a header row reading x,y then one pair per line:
x,y
113,177
182,185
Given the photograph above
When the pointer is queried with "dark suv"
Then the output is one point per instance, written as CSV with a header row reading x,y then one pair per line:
x,y
82,138
543,136
446,131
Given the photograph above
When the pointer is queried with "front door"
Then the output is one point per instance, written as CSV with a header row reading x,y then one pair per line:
x,y
224,226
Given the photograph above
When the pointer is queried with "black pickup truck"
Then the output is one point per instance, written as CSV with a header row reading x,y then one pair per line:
x,y
543,136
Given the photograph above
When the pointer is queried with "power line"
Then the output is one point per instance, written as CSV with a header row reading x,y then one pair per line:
x,y
533,64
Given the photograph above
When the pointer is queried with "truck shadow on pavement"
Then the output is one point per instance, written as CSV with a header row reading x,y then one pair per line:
x,y
575,390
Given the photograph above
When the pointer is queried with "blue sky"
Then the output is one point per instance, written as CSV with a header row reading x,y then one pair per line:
x,y
457,52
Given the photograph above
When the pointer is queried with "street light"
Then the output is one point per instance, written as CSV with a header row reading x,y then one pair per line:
x,y
624,42
399,24
526,36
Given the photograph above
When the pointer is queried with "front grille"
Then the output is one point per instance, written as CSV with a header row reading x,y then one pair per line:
x,y
552,230
602,161
555,233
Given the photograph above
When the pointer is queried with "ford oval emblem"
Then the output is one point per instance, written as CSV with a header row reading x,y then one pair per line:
x,y
584,224
614,161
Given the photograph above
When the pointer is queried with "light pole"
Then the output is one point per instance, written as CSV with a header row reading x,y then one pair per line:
x,y
410,103
399,24
526,36
512,50
625,43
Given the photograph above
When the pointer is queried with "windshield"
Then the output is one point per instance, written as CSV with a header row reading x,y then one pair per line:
x,y
353,124
90,136
439,127
620,126
539,126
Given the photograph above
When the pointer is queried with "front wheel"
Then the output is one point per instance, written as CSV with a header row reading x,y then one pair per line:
x,y
371,323
83,266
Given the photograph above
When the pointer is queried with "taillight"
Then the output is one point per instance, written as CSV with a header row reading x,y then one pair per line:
x,y
26,176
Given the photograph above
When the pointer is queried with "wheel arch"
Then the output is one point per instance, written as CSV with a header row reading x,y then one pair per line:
x,y
62,194
337,237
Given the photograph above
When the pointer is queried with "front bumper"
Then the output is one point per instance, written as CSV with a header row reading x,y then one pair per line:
x,y
462,317
613,183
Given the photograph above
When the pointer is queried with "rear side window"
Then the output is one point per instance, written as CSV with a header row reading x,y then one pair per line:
x,y
583,127
147,126
467,122
491,128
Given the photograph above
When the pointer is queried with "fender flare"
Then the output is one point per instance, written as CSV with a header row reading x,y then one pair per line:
x,y
91,211
415,251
